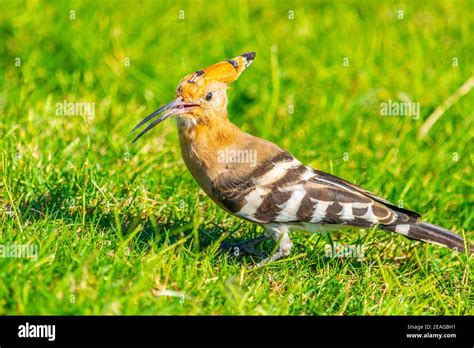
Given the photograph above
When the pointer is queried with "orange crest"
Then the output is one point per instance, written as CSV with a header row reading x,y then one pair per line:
x,y
226,71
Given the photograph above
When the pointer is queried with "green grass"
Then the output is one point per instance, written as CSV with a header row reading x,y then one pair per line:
x,y
117,224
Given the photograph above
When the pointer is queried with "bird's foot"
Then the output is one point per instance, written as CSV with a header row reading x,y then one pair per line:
x,y
280,234
276,256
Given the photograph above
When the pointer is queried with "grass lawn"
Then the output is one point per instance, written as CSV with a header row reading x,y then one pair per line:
x,y
124,229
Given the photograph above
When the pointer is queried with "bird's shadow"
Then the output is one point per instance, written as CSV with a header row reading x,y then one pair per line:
x,y
143,232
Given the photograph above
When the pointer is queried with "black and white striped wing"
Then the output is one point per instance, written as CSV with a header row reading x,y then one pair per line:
x,y
283,190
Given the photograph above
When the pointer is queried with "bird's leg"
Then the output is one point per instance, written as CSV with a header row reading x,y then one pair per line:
x,y
245,246
280,234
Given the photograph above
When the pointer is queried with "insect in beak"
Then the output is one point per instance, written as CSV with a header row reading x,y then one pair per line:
x,y
176,107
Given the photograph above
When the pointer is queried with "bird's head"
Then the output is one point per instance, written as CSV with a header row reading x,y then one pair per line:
x,y
202,94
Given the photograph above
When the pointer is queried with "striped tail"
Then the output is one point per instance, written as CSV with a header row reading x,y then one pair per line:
x,y
432,234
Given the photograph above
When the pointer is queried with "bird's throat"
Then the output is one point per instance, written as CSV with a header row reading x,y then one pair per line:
x,y
200,145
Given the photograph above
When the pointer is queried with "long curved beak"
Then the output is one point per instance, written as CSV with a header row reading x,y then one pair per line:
x,y
175,107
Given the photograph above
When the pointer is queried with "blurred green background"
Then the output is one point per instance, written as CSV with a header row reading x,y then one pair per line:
x,y
118,224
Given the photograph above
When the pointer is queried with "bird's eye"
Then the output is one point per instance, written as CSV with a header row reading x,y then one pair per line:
x,y
209,96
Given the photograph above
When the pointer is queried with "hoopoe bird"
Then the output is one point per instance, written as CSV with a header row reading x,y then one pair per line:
x,y
277,192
